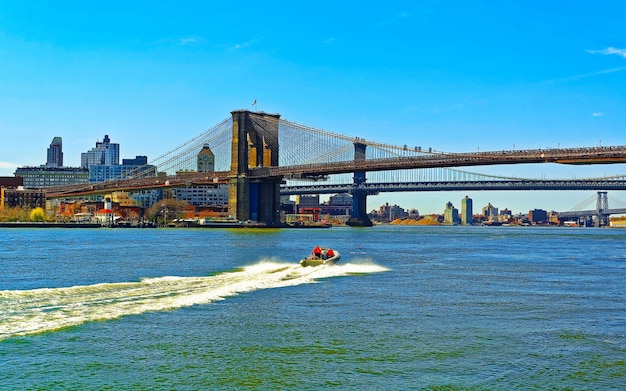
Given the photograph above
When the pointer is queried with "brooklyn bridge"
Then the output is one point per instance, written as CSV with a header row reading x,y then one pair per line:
x,y
261,157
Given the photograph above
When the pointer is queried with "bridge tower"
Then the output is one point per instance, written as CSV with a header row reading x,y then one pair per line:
x,y
359,218
602,207
254,145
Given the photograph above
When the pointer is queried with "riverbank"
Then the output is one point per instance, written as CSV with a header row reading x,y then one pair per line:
x,y
32,224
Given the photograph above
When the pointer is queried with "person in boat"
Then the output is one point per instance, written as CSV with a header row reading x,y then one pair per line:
x,y
330,253
317,252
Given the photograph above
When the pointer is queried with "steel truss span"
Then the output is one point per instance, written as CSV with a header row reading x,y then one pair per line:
x,y
374,188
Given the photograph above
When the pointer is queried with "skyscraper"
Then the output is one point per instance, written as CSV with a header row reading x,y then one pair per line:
x,y
450,214
55,153
466,211
105,153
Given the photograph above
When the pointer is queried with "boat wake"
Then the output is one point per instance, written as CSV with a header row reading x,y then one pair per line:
x,y
25,312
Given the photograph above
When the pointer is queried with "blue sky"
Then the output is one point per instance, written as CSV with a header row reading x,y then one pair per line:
x,y
456,76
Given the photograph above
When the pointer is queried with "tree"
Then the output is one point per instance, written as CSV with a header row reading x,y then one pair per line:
x,y
167,209
37,214
15,214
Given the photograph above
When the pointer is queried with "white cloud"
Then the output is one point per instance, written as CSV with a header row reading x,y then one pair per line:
x,y
188,40
243,45
8,169
608,51
583,75
597,114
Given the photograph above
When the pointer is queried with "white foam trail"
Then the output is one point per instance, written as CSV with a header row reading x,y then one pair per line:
x,y
24,312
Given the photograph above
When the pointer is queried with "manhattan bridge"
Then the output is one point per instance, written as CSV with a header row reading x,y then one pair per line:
x,y
262,156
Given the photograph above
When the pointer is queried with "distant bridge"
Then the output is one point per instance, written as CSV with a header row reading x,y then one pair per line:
x,y
510,184
599,215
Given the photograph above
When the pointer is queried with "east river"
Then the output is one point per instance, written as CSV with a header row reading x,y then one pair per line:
x,y
454,308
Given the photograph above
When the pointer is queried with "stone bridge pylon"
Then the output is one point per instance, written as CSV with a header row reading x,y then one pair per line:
x,y
254,145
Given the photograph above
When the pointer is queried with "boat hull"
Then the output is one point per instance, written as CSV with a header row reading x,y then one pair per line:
x,y
318,261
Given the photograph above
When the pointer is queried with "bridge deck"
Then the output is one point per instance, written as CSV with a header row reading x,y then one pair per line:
x,y
595,155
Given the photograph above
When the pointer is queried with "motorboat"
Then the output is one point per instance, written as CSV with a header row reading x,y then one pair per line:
x,y
322,259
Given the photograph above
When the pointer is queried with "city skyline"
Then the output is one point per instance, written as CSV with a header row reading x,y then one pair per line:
x,y
436,197
456,77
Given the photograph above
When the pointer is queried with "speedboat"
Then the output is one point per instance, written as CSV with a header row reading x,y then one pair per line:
x,y
313,260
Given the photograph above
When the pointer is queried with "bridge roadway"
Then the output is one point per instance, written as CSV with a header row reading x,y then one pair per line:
x,y
139,184
587,213
593,155
509,184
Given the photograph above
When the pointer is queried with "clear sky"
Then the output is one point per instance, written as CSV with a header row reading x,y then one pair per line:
x,y
455,76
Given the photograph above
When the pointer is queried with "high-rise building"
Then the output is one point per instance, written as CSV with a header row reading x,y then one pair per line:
x,y
466,211
451,214
103,163
55,153
105,153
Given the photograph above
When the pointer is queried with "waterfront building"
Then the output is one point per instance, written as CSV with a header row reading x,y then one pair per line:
x,y
340,199
123,199
490,212
104,153
204,196
538,216
308,200
42,176
25,198
11,182
451,214
287,205
390,212
553,217
130,168
337,205
506,215
55,153
13,194
467,211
